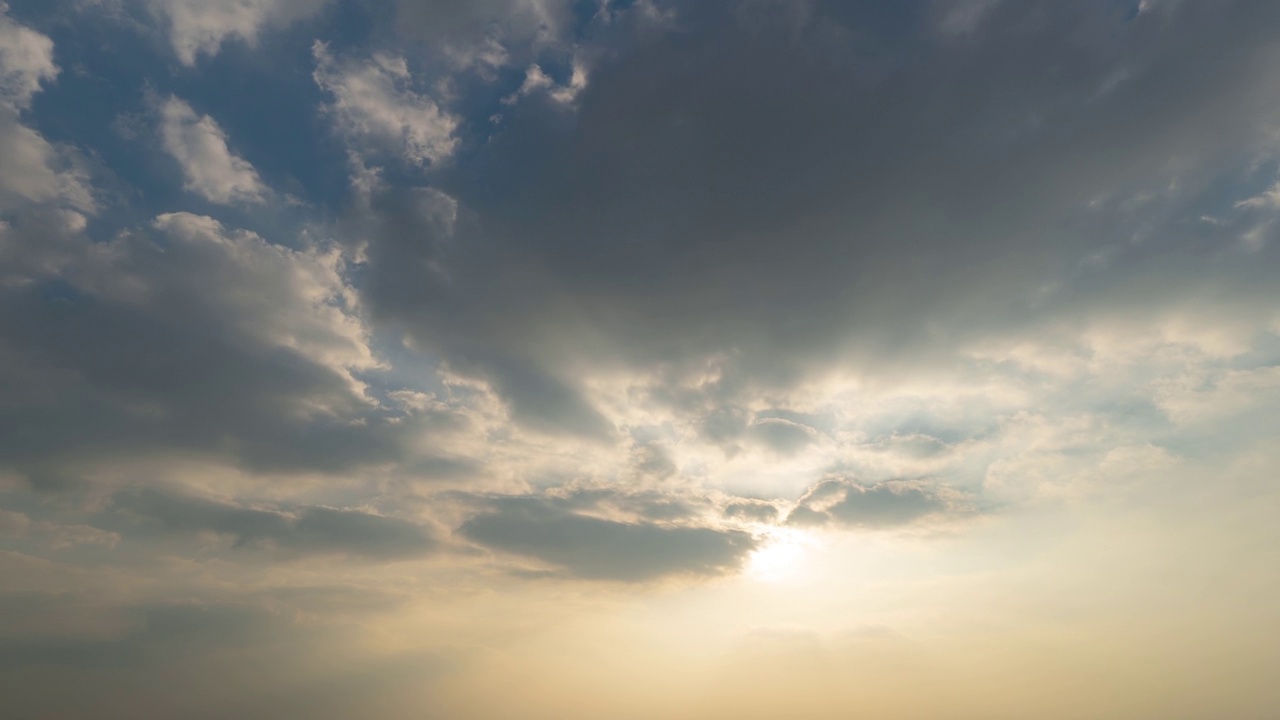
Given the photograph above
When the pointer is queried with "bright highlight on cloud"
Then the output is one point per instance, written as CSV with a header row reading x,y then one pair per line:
x,y
26,61
731,358
200,147
32,170
375,106
199,28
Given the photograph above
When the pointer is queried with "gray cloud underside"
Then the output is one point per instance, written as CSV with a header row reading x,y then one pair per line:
x,y
190,337
597,548
758,511
845,503
776,192
300,530
785,193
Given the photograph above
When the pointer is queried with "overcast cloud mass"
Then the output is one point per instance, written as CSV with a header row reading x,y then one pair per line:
x,y
639,358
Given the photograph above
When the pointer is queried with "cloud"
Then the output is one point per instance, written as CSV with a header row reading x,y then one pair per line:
x,y
304,530
200,147
596,548
845,503
793,201
537,81
200,27
55,536
32,170
294,299
1269,198
26,61
375,106
727,296
486,32
780,435
758,511
652,461
186,335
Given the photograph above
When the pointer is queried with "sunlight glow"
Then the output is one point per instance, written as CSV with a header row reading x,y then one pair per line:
x,y
780,558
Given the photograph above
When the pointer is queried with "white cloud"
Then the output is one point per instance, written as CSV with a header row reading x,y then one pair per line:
x,y
32,170
485,57
199,27
1269,198
1210,397
26,61
375,107
537,80
200,147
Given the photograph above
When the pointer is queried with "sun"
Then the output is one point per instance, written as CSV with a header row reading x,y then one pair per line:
x,y
780,556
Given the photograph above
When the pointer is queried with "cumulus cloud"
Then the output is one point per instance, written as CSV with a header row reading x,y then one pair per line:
x,y
210,168
32,170
536,80
200,27
26,61
295,299
184,334
377,108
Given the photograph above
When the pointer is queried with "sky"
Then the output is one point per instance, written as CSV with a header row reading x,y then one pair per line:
x,y
698,359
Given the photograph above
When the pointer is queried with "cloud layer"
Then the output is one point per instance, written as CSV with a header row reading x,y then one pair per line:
x,y
692,358
601,548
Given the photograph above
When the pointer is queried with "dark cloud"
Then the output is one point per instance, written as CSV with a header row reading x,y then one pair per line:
x,y
597,548
845,503
466,25
299,530
784,191
540,400
187,336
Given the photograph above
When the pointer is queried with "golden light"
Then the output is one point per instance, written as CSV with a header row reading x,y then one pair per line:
x,y
780,557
